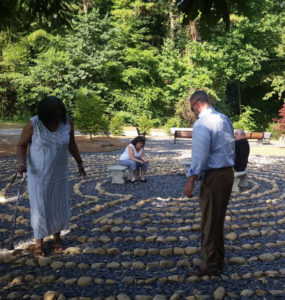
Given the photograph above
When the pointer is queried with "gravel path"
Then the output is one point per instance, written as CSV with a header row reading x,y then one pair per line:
x,y
137,241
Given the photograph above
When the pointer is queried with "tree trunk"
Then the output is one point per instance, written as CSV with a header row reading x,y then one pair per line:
x,y
85,5
194,33
171,19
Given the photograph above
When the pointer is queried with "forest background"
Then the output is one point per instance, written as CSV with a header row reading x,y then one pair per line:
x,y
135,62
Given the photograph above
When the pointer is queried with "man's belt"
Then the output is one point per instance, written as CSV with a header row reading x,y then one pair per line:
x,y
218,169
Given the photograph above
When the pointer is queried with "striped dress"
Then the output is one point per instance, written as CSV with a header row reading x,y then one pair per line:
x,y
48,179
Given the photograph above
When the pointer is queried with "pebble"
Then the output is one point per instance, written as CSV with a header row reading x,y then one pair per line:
x,y
277,292
84,281
219,293
56,265
44,261
267,257
113,265
51,295
14,295
231,236
247,293
159,297
140,252
237,260
72,251
123,297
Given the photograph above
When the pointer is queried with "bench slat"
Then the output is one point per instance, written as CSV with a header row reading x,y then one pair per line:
x,y
257,135
182,134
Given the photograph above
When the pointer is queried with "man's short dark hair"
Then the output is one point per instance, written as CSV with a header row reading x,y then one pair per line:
x,y
48,106
200,96
138,139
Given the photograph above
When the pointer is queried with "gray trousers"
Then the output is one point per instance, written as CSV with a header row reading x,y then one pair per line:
x,y
215,192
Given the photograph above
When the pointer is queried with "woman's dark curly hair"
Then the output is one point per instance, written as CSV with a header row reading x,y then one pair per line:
x,y
138,139
47,110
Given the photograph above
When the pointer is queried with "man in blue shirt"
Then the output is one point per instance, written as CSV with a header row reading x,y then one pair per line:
x,y
212,160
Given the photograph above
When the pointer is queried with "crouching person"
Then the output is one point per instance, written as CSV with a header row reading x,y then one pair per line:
x,y
134,157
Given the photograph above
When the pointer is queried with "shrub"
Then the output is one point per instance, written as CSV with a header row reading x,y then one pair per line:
x,y
117,124
172,122
156,123
279,124
272,128
128,118
145,124
245,121
90,117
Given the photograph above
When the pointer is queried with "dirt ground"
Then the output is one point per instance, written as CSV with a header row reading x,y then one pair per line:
x,y
97,144
8,145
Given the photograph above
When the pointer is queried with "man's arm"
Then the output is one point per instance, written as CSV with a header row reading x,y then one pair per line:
x,y
188,188
200,152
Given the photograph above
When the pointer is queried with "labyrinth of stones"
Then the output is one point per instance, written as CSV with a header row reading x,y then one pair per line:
x,y
137,241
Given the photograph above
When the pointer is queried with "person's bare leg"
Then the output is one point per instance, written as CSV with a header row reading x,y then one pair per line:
x,y
133,176
57,243
142,175
38,249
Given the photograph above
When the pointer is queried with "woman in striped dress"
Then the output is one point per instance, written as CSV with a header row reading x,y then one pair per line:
x,y
50,137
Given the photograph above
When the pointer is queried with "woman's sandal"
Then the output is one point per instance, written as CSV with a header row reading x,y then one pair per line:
x,y
143,180
38,251
57,247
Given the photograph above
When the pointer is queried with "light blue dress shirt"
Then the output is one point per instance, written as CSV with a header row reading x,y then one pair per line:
x,y
213,142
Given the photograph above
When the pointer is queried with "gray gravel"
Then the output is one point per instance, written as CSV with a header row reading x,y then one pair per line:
x,y
163,208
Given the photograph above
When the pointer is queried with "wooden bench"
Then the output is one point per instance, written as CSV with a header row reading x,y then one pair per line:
x,y
182,134
173,129
255,136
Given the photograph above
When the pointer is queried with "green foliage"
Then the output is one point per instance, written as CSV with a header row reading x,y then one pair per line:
x,y
272,128
128,118
117,124
145,124
140,59
278,86
172,122
246,121
90,117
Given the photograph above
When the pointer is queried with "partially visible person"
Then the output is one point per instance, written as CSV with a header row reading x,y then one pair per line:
x,y
50,137
134,157
213,160
241,150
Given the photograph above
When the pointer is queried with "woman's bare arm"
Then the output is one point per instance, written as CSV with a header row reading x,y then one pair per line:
x,y
22,146
73,149
143,157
